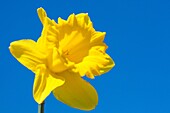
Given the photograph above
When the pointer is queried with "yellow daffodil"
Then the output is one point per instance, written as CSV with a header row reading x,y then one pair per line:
x,y
65,51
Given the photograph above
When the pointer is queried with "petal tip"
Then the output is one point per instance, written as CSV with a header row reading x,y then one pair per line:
x,y
41,14
12,46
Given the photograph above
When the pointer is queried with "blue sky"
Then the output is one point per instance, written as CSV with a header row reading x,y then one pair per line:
x,y
138,36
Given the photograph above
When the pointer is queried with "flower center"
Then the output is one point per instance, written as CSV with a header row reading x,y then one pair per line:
x,y
58,60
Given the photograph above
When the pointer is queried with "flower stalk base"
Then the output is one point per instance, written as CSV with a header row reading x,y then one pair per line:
x,y
41,108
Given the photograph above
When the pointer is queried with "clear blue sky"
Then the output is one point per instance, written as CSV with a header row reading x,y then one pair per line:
x,y
138,36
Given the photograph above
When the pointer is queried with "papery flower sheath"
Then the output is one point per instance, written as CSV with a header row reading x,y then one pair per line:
x,y
66,51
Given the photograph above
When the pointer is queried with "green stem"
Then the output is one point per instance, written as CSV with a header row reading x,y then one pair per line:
x,y
41,108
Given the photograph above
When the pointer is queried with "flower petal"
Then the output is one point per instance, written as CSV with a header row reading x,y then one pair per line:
x,y
44,83
96,63
84,20
27,53
49,33
76,92
43,16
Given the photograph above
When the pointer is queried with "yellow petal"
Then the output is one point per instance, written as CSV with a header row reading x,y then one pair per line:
x,y
26,52
96,63
76,92
72,19
49,33
84,20
44,83
97,38
48,39
43,16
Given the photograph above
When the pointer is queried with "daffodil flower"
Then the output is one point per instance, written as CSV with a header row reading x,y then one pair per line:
x,y
65,52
